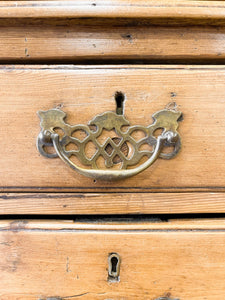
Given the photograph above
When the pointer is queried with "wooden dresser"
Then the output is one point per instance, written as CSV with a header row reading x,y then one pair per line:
x,y
112,138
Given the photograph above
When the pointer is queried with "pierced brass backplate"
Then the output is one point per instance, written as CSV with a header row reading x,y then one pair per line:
x,y
124,154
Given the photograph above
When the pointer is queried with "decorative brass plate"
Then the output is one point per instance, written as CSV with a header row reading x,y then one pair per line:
x,y
123,151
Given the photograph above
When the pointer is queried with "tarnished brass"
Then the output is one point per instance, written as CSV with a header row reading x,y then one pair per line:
x,y
123,149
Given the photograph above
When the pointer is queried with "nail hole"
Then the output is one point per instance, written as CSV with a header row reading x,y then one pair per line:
x,y
119,97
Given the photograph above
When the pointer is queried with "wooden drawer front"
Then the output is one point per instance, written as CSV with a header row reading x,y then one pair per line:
x,y
180,260
83,92
112,30
83,41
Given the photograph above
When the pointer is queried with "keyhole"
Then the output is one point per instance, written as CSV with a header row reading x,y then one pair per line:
x,y
114,267
114,262
119,97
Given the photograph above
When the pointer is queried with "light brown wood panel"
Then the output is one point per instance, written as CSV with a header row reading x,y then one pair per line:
x,y
126,224
75,42
38,263
177,9
111,203
83,92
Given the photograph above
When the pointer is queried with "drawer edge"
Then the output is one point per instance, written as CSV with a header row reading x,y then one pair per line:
x,y
111,203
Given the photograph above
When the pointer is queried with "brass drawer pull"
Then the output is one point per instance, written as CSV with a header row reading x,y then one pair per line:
x,y
120,152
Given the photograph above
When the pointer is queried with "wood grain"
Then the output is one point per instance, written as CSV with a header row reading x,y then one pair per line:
x,y
72,263
75,42
83,92
177,9
100,225
112,203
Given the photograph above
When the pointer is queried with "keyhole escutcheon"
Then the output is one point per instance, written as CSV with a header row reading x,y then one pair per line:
x,y
114,262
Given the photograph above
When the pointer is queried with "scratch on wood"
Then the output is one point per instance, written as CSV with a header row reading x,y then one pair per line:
x,y
9,244
67,265
75,296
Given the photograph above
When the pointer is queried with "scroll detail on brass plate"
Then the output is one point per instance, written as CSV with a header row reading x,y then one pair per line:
x,y
123,154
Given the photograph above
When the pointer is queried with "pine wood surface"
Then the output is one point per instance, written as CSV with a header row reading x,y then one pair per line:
x,y
53,41
83,92
112,225
110,203
181,260
178,259
177,9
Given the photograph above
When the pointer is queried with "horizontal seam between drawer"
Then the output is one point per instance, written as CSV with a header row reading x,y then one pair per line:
x,y
38,188
115,66
112,230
